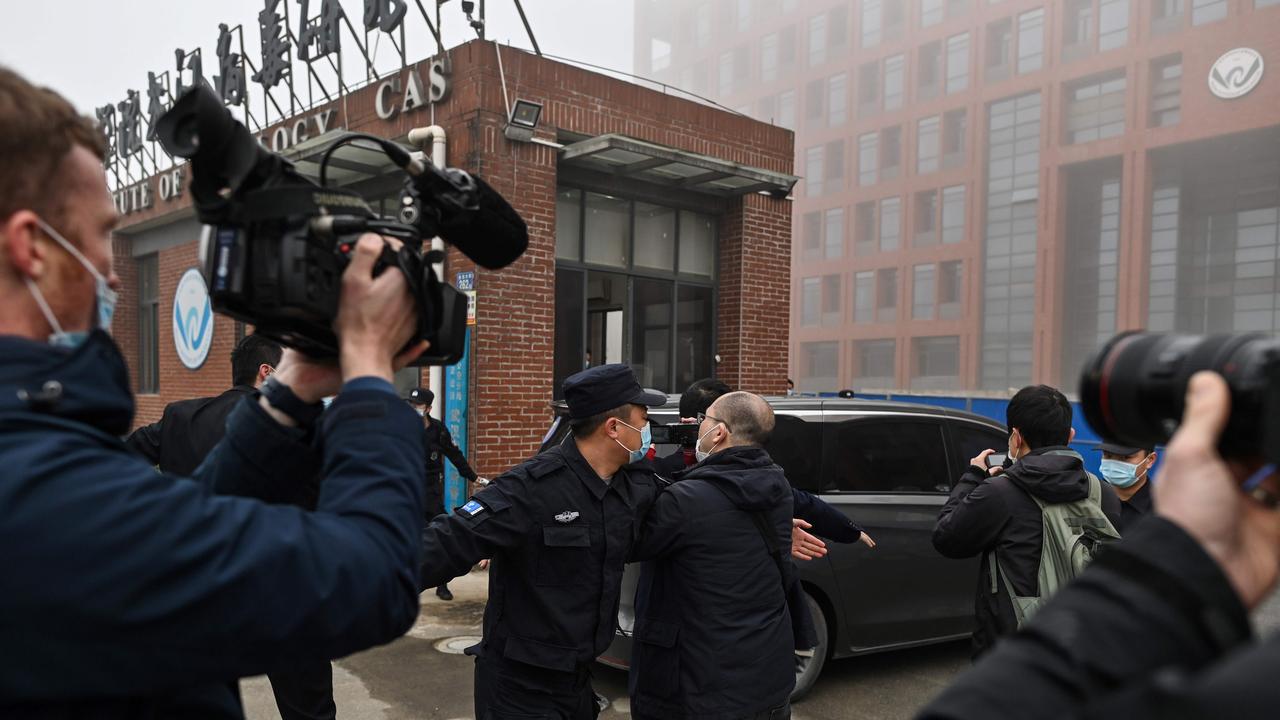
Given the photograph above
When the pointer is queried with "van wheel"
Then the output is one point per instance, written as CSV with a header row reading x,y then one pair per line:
x,y
809,664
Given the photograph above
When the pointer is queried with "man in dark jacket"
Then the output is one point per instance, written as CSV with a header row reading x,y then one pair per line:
x,y
438,445
183,436
1128,470
1157,628
131,594
713,631
177,443
993,511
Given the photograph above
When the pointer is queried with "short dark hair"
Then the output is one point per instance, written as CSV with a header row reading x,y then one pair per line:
x,y
747,416
38,129
1042,416
699,396
251,352
583,427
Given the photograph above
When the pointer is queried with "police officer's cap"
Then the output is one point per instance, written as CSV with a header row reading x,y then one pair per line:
x,y
605,387
1121,450
421,396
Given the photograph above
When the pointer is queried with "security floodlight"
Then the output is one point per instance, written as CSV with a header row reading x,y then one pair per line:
x,y
523,120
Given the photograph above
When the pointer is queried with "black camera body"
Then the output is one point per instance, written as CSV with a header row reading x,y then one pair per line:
x,y
683,434
276,243
1133,390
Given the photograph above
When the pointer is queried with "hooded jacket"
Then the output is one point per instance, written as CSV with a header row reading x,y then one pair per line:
x,y
127,593
713,632
997,514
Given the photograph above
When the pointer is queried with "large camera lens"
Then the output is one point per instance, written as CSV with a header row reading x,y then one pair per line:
x,y
1133,390
222,150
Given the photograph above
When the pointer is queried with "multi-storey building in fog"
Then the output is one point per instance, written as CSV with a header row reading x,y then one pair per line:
x,y
991,188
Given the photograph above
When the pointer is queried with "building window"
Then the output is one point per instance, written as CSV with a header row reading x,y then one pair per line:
x,y
937,363
868,89
837,100
819,366
890,153
608,230
787,109
999,49
1030,41
957,63
895,18
953,215
769,58
1009,254
875,363
931,12
1207,11
1162,302
925,232
148,269
1166,16
1166,91
569,224
922,292
868,158
811,236
831,305
929,71
953,133
894,81
835,167
702,24
887,295
655,229
1077,29
1092,231
950,289
1113,24
1265,3
928,138
865,241
810,301
815,172
833,232
744,14
864,297
726,73
659,55
815,96
1095,109
837,31
817,40
872,22
890,223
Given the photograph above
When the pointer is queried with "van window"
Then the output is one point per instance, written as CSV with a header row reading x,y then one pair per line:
x,y
796,446
882,455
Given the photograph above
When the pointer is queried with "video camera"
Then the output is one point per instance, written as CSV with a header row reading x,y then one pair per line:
x,y
683,434
276,243
1133,391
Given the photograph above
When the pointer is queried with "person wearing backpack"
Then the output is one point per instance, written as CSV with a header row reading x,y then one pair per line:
x,y
1002,514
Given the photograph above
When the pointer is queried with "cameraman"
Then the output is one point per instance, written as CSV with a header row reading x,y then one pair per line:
x,y
1157,627
128,593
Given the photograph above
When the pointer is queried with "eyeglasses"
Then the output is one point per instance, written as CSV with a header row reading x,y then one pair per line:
x,y
704,416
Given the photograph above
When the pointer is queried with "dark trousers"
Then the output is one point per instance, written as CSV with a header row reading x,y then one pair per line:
x,y
507,690
782,713
305,691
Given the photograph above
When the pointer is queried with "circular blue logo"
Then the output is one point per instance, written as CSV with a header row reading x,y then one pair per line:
x,y
192,320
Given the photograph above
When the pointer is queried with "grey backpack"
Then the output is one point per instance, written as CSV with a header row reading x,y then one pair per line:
x,y
1073,533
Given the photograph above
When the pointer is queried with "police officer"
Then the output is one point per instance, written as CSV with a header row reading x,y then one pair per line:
x,y
438,444
1128,469
559,529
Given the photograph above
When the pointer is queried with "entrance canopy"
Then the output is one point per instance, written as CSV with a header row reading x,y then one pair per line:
x,y
630,159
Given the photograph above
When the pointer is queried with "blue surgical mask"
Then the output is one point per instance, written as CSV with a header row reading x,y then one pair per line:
x,y
106,297
1120,473
646,439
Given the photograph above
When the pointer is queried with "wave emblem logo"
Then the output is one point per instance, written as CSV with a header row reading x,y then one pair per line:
x,y
192,320
1236,73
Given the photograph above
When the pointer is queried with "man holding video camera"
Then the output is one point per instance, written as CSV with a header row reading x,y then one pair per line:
x,y
1157,626
133,594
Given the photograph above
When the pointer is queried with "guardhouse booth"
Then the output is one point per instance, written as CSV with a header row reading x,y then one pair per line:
x,y
659,237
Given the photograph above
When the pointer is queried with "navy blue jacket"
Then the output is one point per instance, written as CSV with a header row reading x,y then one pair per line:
x,y
713,631
127,593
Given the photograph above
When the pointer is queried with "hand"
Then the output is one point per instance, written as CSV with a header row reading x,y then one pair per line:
x,y
376,316
866,540
309,379
484,564
803,545
1201,493
481,481
981,462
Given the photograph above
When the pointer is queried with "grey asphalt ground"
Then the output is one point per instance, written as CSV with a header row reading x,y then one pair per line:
x,y
411,679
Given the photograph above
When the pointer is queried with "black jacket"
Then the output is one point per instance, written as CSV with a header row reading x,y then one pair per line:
x,y
128,593
713,632
997,514
187,431
1135,508
559,538
439,444
1152,630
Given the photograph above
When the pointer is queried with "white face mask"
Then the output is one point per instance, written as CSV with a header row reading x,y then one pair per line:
x,y
105,296
420,410
698,452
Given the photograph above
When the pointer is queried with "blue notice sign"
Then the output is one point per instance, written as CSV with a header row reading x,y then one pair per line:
x,y
456,379
465,281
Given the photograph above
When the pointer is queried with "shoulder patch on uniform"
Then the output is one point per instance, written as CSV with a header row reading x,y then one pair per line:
x,y
472,508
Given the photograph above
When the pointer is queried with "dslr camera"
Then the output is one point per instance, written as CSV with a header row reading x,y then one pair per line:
x,y
276,243
683,434
1133,390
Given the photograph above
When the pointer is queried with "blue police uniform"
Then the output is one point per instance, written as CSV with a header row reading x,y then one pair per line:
x,y
559,537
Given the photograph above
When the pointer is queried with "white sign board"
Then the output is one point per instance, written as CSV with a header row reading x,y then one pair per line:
x,y
192,320
1236,73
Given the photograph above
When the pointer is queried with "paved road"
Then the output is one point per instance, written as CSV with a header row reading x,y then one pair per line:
x,y
411,679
